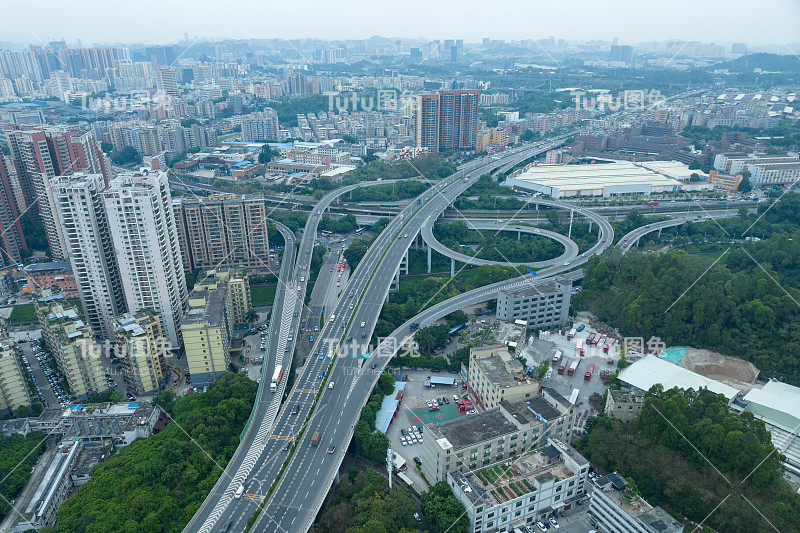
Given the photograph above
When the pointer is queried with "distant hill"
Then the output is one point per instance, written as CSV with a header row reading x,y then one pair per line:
x,y
769,62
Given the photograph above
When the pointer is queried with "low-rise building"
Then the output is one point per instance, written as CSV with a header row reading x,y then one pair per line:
x,y
542,304
206,331
53,490
495,375
624,405
724,182
617,510
518,493
778,405
141,346
72,343
14,391
55,275
113,424
475,441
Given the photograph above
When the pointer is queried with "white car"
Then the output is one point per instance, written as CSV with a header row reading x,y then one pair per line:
x,y
541,526
554,523
330,385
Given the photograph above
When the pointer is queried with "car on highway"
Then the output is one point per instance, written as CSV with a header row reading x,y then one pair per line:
x,y
349,339
321,375
330,385
566,264
363,323
331,448
296,409
373,366
351,294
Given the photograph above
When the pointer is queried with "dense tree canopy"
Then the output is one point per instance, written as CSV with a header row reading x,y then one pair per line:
x,y
744,305
687,451
364,504
443,510
156,484
17,455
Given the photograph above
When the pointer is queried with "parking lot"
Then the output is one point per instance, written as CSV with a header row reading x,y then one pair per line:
x,y
45,380
538,350
414,411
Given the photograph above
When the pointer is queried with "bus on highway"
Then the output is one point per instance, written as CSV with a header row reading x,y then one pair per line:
x,y
276,378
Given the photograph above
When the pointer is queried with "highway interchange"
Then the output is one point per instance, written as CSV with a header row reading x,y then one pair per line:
x,y
338,372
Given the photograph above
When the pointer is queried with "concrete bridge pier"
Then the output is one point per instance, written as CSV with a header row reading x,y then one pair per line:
x,y
429,259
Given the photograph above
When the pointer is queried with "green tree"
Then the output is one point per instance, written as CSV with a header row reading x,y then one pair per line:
x,y
442,509
126,156
745,185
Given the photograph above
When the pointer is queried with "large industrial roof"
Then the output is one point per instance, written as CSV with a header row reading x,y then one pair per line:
x,y
778,404
651,370
597,176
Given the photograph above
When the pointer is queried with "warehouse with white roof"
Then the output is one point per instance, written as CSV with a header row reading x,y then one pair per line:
x,y
621,178
778,405
651,370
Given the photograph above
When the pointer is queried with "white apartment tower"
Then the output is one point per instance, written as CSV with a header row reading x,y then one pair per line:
x,y
83,219
145,238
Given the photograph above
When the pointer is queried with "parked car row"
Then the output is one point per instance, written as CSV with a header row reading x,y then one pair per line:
x,y
412,435
55,384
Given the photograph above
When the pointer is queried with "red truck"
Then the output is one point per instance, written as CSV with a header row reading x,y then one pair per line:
x,y
573,367
315,438
588,375
652,203
608,348
561,368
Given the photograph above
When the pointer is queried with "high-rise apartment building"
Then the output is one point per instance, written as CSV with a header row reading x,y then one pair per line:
x,y
145,237
261,126
82,216
43,153
140,347
12,240
458,119
13,385
222,230
167,81
427,111
447,120
71,342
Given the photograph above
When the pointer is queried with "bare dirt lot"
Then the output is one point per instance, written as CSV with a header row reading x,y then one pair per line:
x,y
732,371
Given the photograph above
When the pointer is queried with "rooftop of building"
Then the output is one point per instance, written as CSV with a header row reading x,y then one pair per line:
x,y
631,396
64,266
660,520
210,311
596,176
777,404
500,483
526,412
131,323
630,504
495,369
555,395
536,289
89,457
651,370
467,431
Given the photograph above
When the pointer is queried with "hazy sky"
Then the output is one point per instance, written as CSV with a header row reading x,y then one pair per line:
x,y
165,21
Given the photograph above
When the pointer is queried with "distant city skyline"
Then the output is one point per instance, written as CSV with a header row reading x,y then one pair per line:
x,y
583,20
